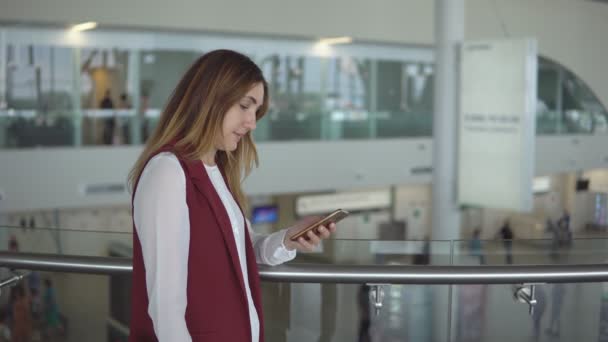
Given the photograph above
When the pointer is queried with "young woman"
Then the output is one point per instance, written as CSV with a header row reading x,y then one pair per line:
x,y
195,276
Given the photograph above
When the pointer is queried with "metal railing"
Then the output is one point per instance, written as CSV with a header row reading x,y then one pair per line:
x,y
328,273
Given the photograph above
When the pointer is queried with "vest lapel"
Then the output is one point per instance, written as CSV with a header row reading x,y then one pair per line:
x,y
201,181
254,280
252,266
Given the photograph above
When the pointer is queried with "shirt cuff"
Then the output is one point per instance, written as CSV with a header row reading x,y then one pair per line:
x,y
281,254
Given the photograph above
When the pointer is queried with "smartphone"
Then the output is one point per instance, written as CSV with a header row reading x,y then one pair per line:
x,y
334,217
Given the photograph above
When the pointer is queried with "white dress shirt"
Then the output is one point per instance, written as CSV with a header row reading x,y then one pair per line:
x,y
161,216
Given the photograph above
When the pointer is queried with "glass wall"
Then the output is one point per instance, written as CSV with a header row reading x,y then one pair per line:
x,y
566,104
38,97
109,88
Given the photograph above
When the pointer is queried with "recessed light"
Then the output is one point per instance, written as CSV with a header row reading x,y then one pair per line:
x,y
336,40
89,25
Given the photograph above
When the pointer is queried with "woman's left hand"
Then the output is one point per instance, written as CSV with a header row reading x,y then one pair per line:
x,y
313,237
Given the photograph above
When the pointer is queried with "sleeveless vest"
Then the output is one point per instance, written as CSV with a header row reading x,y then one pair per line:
x,y
217,308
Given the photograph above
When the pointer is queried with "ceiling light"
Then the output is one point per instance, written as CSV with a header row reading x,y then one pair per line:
x,y
336,40
89,25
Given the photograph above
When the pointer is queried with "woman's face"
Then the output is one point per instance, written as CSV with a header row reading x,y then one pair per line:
x,y
240,118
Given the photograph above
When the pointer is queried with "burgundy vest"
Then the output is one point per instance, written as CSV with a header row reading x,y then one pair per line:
x,y
217,307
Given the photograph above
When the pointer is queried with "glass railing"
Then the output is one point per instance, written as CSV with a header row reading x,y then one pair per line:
x,y
89,242
571,122
23,129
76,306
429,290
367,252
563,312
27,129
531,252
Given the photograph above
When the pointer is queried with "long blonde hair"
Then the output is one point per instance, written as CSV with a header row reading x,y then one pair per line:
x,y
192,119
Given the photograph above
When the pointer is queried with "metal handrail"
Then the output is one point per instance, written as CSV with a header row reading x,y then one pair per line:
x,y
66,263
331,273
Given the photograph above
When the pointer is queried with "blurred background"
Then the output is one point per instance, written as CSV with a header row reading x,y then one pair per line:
x,y
358,119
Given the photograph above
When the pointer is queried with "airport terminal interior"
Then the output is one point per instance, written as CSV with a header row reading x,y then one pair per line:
x,y
468,139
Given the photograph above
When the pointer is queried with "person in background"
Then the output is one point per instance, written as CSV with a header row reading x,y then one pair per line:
x,y
22,317
539,311
565,220
106,102
555,238
564,225
13,244
124,102
558,292
506,234
475,246
33,280
51,309
122,133
109,122
6,295
424,257
5,331
365,316
33,285
144,105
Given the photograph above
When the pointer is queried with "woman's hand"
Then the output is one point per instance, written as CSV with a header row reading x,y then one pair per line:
x,y
313,237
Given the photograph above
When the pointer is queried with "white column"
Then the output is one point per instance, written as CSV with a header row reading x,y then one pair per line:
x,y
76,95
373,99
449,32
133,86
3,100
3,63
